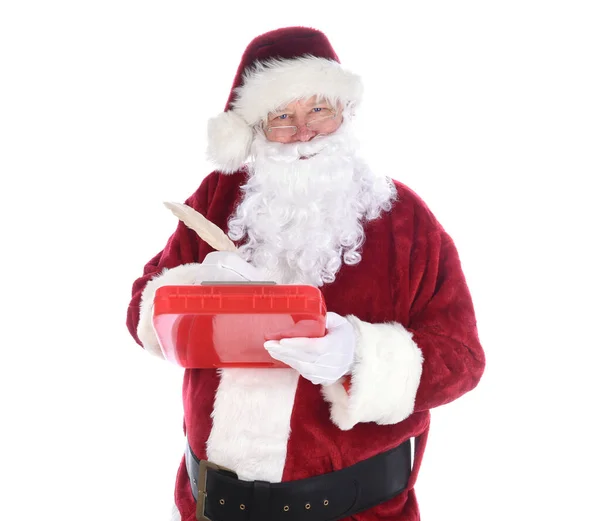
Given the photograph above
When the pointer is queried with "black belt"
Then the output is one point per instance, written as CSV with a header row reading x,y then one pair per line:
x,y
338,494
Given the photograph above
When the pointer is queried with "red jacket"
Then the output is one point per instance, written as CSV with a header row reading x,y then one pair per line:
x,y
419,349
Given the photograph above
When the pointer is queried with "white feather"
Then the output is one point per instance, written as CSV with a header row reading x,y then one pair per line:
x,y
207,230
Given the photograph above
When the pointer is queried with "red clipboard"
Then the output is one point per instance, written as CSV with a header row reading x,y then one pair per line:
x,y
226,324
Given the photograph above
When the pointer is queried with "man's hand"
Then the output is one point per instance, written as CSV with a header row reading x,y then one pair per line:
x,y
320,360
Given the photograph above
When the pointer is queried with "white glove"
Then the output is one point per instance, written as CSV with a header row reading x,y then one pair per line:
x,y
226,266
321,360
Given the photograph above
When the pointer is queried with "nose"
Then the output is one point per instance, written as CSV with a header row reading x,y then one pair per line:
x,y
304,133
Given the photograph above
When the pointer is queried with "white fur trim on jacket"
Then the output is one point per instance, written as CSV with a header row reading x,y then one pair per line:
x,y
178,276
251,422
385,377
267,87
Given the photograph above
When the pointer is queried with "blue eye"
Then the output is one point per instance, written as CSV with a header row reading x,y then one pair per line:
x,y
318,109
283,116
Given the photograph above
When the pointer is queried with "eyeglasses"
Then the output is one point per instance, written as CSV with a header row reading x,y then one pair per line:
x,y
320,122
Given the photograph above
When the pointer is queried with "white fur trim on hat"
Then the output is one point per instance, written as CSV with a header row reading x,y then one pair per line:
x,y
385,378
274,83
267,87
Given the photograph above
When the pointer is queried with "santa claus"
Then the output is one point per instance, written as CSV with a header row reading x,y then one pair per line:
x,y
330,436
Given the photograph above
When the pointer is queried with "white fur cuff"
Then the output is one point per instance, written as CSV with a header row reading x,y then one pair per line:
x,y
385,377
178,276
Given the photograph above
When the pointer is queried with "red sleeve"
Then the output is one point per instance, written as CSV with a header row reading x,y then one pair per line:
x,y
182,247
442,320
427,353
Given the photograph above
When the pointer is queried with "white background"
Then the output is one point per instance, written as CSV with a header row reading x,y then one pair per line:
x,y
489,110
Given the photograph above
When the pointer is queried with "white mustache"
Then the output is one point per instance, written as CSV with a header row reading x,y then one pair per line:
x,y
289,152
330,144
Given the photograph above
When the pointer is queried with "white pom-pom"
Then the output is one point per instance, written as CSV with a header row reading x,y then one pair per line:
x,y
229,141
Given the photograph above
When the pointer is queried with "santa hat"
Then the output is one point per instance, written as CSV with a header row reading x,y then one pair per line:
x,y
276,68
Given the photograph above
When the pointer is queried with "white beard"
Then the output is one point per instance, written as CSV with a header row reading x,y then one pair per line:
x,y
303,218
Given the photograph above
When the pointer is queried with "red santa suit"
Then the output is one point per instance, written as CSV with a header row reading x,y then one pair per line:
x,y
417,348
